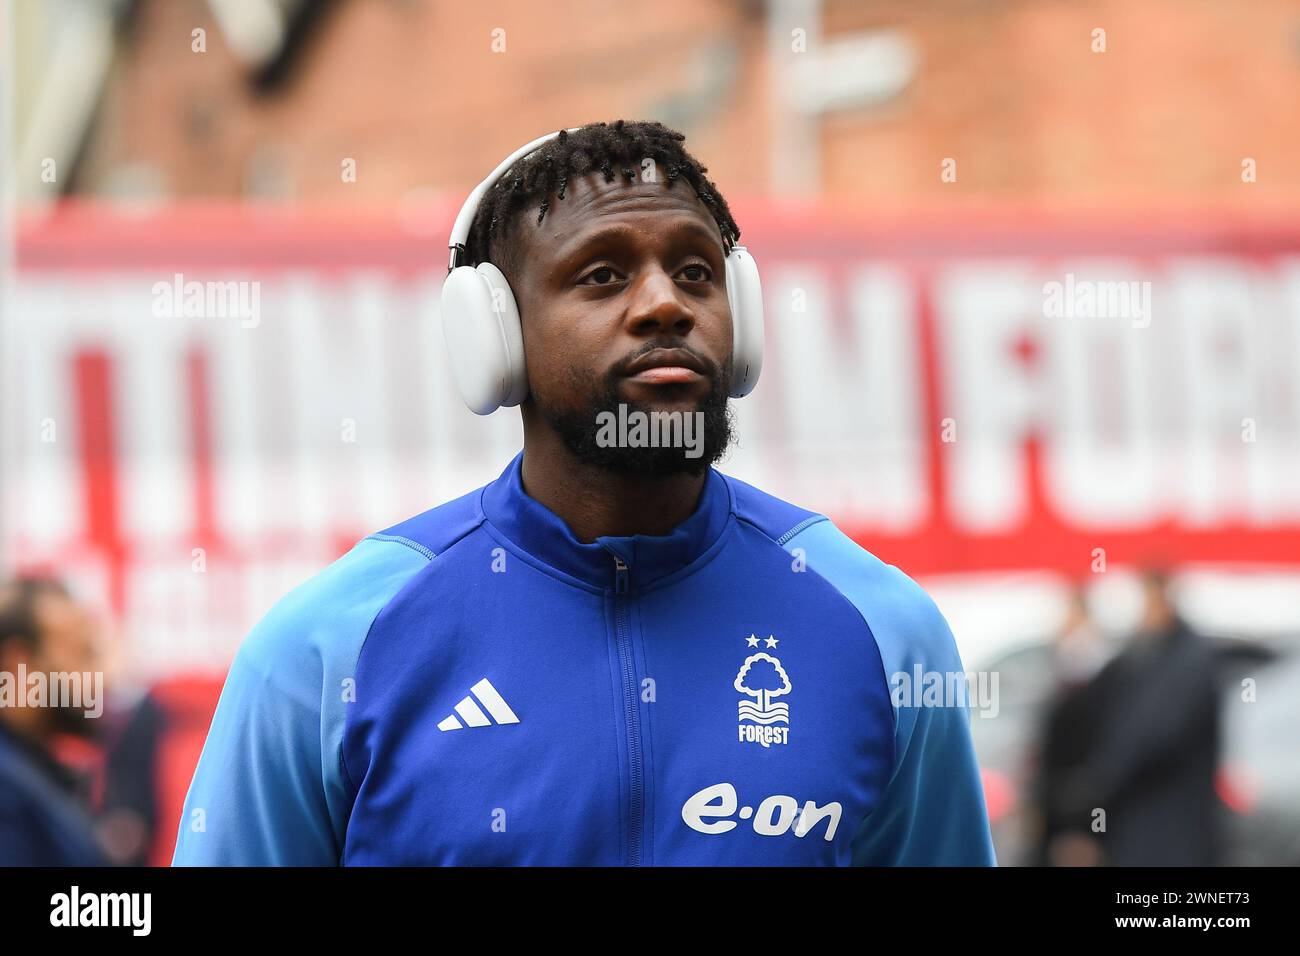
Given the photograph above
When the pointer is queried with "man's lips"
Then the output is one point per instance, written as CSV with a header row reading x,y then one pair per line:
x,y
666,367
666,375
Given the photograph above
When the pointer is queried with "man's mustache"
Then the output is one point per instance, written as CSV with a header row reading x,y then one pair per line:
x,y
620,368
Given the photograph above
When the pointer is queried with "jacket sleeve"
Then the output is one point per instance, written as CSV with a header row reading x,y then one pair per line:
x,y
933,812
258,793
270,788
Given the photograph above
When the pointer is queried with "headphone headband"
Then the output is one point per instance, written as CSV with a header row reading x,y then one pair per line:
x,y
465,218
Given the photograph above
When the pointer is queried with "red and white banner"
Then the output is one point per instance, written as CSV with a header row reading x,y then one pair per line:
x,y
202,407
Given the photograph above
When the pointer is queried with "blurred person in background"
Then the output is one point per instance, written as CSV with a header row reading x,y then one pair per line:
x,y
129,820
1080,649
43,820
1066,738
1152,764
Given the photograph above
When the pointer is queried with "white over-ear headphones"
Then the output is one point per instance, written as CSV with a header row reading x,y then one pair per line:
x,y
481,321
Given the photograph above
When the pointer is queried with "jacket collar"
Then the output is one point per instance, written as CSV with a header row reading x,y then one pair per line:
x,y
538,531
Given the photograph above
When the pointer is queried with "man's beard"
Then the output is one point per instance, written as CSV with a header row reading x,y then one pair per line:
x,y
580,428
73,722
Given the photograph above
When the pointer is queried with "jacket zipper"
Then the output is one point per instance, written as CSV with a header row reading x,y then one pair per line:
x,y
631,708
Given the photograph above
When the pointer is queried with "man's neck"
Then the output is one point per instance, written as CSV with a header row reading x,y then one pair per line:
x,y
595,502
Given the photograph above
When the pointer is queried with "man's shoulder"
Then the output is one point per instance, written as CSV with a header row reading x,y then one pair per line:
x,y
334,608
775,517
43,823
797,529
434,531
17,779
902,616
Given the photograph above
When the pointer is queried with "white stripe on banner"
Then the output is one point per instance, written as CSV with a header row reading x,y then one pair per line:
x,y
314,431
152,425
49,470
372,455
243,402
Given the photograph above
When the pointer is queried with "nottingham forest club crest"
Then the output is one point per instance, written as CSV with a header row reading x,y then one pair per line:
x,y
762,679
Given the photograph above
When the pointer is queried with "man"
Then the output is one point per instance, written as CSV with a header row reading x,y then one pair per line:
x,y
612,654
1069,727
1155,748
46,638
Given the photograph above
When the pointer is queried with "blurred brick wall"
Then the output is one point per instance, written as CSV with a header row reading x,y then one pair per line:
x,y
1013,91
413,92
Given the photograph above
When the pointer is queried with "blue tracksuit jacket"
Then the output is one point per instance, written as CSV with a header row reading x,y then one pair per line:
x,y
476,686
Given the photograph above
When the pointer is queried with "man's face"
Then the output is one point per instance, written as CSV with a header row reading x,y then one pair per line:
x,y
70,635
1157,611
623,300
69,645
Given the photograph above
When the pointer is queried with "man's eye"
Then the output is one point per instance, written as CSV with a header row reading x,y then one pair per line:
x,y
702,272
602,276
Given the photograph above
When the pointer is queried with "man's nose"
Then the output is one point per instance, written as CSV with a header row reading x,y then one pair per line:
x,y
658,307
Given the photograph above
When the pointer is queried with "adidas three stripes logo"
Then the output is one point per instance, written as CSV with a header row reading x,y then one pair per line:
x,y
472,713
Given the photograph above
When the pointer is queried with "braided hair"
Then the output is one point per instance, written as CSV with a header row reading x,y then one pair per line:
x,y
618,148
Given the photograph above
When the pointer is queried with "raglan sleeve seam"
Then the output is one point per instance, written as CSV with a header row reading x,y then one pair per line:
x,y
928,808
350,782
787,542
352,785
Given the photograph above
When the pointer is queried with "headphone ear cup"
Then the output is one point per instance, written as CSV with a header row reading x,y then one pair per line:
x,y
745,296
485,345
512,333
